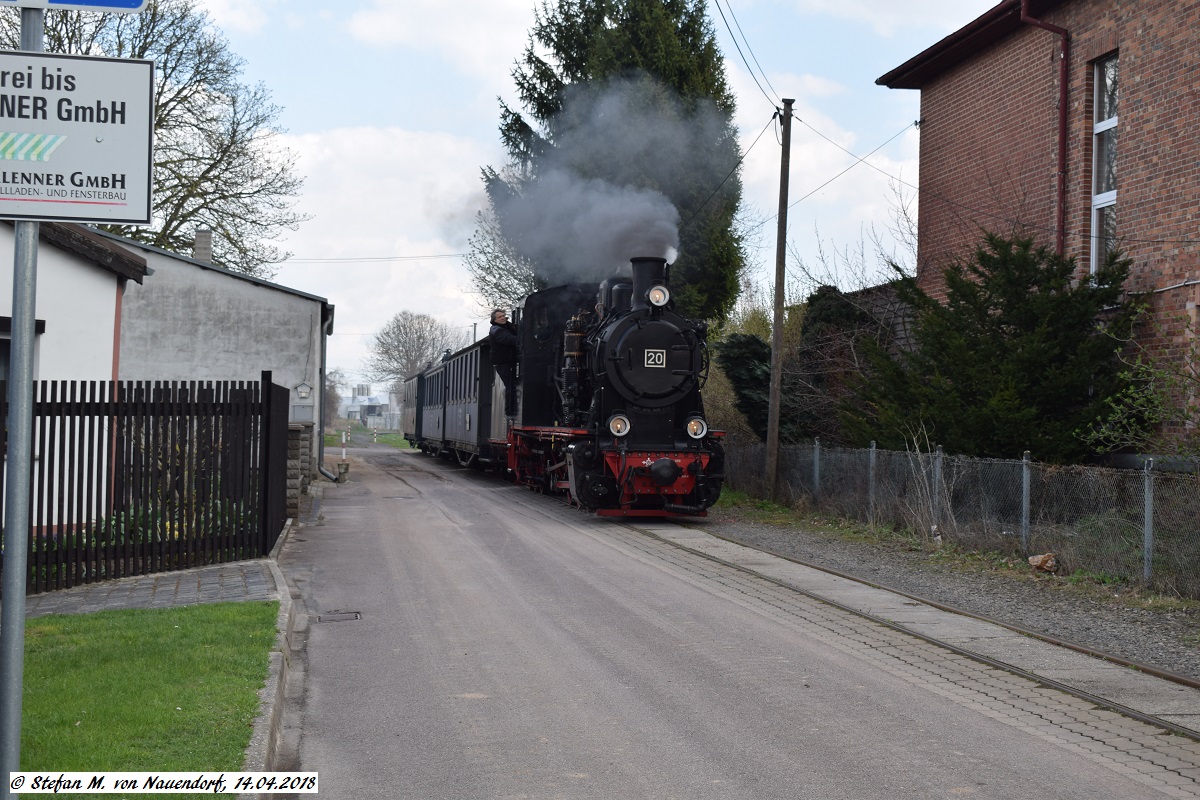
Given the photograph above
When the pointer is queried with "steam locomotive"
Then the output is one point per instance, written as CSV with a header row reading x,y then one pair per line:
x,y
609,406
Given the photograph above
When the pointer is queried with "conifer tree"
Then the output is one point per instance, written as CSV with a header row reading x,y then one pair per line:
x,y
1021,356
664,55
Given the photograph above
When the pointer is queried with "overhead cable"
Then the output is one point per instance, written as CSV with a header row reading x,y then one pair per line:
x,y
730,175
364,259
773,103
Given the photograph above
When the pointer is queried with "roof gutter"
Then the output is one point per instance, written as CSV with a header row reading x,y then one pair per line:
x,y
1064,74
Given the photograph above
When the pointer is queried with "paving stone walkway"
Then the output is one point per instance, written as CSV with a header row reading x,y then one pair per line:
x,y
218,583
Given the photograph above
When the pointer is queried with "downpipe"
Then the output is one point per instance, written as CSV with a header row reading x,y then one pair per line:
x,y
326,332
1064,74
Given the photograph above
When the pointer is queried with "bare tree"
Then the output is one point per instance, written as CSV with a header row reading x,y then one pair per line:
x,y
406,344
218,163
500,275
333,398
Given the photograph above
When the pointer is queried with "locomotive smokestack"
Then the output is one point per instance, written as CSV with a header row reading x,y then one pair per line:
x,y
647,272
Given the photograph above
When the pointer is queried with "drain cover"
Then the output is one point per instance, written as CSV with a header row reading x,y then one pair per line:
x,y
339,616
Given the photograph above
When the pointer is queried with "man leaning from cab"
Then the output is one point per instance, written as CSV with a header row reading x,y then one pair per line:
x,y
504,345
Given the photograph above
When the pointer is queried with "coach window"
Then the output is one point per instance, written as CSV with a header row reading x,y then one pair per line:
x,y
1104,160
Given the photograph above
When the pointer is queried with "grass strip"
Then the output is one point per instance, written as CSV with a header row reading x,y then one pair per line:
x,y
162,690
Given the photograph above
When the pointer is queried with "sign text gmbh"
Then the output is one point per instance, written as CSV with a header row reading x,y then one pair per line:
x,y
76,138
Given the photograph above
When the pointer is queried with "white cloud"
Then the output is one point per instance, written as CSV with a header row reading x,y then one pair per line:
x,y
831,197
888,16
238,15
376,193
481,38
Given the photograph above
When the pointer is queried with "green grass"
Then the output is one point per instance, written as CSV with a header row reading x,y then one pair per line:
x,y
396,440
161,689
767,512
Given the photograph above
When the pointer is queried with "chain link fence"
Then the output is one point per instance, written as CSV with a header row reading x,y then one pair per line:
x,y
1141,526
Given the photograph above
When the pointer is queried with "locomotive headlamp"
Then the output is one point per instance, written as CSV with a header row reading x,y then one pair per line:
x,y
658,296
618,425
696,428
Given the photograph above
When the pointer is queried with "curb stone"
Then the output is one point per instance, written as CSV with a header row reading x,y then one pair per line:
x,y
274,743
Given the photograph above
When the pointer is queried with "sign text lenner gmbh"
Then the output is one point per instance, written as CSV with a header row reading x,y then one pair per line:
x,y
76,138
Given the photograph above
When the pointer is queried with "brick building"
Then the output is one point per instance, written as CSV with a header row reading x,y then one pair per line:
x,y
1021,114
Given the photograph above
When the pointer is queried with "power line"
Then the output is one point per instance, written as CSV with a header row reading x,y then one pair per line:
x,y
368,259
761,71
743,55
730,175
981,212
857,161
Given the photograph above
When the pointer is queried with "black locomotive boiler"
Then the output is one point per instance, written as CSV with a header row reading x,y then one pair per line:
x,y
610,410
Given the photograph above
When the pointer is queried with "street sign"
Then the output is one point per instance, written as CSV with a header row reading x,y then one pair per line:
x,y
109,6
76,138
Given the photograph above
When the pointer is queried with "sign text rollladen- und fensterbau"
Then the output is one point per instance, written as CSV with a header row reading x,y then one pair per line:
x,y
76,138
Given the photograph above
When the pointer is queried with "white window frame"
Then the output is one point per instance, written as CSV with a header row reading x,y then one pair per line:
x,y
1104,200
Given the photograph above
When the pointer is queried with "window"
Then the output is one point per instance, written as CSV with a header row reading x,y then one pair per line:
x,y
1104,160
5,350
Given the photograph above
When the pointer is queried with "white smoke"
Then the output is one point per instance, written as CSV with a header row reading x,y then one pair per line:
x,y
580,227
596,202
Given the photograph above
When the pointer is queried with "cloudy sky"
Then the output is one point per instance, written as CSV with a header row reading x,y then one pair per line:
x,y
391,108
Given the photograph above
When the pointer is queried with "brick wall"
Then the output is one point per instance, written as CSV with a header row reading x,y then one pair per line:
x,y
989,144
989,138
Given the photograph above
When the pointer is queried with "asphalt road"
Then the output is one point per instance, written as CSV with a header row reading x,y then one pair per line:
x,y
510,647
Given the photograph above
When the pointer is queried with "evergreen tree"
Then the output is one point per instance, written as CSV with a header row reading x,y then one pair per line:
x,y
822,345
669,132
1016,359
746,361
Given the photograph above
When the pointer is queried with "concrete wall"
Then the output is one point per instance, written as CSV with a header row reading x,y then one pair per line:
x,y
195,322
192,321
78,301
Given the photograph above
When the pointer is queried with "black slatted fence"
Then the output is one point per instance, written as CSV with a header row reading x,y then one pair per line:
x,y
133,478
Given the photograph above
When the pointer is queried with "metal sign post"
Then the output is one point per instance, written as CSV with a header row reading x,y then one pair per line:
x,y
19,457
20,452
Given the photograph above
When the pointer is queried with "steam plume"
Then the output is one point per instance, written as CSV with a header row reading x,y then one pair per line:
x,y
602,195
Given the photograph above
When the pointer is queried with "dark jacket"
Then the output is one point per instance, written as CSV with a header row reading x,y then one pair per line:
x,y
503,339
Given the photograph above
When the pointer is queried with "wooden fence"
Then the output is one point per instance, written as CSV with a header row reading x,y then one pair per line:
x,y
132,478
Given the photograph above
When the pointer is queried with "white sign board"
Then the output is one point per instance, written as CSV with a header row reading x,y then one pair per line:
x,y
76,138
110,6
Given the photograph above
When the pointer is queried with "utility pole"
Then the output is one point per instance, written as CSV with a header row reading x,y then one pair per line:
x,y
777,325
